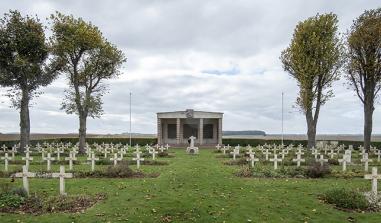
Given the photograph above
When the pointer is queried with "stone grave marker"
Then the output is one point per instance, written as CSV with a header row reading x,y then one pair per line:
x,y
115,159
344,161
252,159
275,160
27,158
321,160
366,161
62,175
92,159
49,159
6,158
374,177
138,159
24,175
71,158
298,159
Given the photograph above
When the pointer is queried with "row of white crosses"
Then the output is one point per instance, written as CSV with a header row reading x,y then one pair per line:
x,y
72,155
25,174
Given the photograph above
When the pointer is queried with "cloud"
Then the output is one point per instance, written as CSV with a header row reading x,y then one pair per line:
x,y
206,55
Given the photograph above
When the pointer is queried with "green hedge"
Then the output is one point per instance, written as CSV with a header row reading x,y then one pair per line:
x,y
140,141
256,142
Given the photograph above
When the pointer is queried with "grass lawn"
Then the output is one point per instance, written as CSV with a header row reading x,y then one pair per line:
x,y
197,188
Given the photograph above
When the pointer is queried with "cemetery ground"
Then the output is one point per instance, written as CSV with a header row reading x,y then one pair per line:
x,y
195,188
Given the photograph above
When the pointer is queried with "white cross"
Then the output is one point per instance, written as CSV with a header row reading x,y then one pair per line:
x,y
349,155
235,153
27,158
344,160
121,153
42,151
325,150
115,159
71,158
167,147
224,149
374,177
298,159
13,151
92,159
275,160
153,152
138,159
49,159
366,161
267,153
6,158
332,153
105,153
378,153
74,152
283,153
25,174
4,148
252,159
362,152
62,175
218,146
58,152
27,149
192,138
161,149
250,152
322,160
315,152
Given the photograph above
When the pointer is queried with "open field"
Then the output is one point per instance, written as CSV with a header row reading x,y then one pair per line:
x,y
197,188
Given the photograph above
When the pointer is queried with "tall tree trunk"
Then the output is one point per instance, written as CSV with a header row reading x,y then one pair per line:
x,y
368,123
24,121
311,129
82,132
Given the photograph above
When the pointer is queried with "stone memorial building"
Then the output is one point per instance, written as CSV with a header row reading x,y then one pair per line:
x,y
175,128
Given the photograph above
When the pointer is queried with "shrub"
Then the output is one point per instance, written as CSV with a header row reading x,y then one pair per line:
x,y
9,201
20,192
315,170
163,154
333,162
245,171
121,170
346,198
152,162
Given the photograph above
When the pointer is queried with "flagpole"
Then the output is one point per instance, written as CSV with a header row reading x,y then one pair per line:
x,y
130,119
282,119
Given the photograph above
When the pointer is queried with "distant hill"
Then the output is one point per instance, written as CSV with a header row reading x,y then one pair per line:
x,y
244,133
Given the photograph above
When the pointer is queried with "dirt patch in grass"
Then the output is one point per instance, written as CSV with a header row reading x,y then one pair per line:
x,y
37,205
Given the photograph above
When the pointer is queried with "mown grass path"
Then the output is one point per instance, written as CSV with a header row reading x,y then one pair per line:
x,y
199,188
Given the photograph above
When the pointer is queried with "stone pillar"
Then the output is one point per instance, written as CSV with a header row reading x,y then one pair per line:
x,y
178,135
159,133
220,131
201,132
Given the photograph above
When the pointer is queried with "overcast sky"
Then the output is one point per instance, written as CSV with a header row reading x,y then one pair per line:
x,y
205,55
